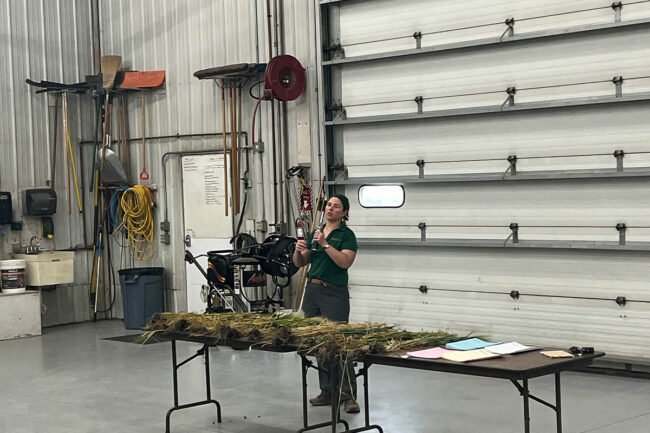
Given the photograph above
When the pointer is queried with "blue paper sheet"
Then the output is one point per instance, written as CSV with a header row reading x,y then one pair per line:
x,y
471,344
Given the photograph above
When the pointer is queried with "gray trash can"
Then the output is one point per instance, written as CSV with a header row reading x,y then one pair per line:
x,y
143,295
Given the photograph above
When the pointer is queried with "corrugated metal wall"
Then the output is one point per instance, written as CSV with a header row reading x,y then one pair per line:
x,y
566,296
45,40
182,37
52,40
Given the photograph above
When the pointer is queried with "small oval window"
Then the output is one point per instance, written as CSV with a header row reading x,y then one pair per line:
x,y
381,196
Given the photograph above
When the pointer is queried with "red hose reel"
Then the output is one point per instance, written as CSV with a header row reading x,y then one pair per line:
x,y
285,78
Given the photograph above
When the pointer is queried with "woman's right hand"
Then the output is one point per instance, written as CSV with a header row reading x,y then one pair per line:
x,y
301,246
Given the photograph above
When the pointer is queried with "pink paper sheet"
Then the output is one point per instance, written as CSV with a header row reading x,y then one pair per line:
x,y
435,353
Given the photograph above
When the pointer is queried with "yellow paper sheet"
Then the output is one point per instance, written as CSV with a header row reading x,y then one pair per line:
x,y
557,354
469,355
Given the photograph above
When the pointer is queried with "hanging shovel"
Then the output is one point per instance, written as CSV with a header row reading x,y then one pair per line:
x,y
110,66
143,80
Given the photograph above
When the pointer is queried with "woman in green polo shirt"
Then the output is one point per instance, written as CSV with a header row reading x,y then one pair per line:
x,y
326,293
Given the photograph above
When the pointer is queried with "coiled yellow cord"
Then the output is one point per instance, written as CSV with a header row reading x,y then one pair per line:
x,y
137,219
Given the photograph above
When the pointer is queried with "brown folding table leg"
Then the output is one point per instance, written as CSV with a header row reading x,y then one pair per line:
x,y
558,403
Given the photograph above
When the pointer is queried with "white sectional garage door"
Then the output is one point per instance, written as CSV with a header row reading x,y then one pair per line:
x,y
520,131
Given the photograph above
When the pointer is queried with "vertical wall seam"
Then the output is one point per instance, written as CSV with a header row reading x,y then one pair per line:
x,y
12,91
30,96
48,122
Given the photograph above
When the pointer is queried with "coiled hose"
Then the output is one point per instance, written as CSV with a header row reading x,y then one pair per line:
x,y
137,218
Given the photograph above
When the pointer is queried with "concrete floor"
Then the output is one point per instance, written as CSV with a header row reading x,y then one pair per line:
x,y
70,380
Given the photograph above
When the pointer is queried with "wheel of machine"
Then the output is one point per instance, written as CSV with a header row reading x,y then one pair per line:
x,y
276,256
219,267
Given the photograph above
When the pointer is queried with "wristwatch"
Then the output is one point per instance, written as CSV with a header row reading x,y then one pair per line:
x,y
326,246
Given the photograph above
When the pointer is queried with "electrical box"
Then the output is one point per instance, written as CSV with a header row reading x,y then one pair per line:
x,y
5,208
39,202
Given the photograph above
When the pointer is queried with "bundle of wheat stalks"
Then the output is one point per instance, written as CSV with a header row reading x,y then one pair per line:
x,y
315,336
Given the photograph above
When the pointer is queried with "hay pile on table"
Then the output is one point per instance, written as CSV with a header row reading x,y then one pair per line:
x,y
329,341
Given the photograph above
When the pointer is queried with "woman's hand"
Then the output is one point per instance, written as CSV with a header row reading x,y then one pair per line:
x,y
319,238
301,245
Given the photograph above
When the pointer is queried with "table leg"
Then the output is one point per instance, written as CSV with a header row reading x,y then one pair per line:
x,y
524,394
366,405
305,366
334,394
175,374
558,403
205,352
207,383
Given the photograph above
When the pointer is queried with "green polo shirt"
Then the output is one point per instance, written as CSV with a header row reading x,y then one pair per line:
x,y
322,266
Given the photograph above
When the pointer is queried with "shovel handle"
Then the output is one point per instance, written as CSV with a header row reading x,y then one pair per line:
x,y
143,174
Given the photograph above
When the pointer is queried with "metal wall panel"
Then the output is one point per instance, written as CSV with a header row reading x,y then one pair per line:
x,y
561,210
541,142
567,297
52,40
44,40
564,297
182,37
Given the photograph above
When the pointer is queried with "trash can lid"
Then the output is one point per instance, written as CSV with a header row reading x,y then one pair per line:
x,y
141,271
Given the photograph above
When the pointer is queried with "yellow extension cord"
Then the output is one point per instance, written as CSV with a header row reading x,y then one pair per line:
x,y
137,219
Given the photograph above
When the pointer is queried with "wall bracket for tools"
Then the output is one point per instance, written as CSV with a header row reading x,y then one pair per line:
x,y
231,76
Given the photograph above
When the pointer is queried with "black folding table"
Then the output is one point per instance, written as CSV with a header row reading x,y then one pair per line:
x,y
518,368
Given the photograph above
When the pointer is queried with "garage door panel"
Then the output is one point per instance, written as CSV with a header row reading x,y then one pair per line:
x,y
540,64
452,145
590,210
563,323
560,273
566,296
390,19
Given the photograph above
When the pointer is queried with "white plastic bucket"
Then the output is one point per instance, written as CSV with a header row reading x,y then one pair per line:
x,y
12,276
